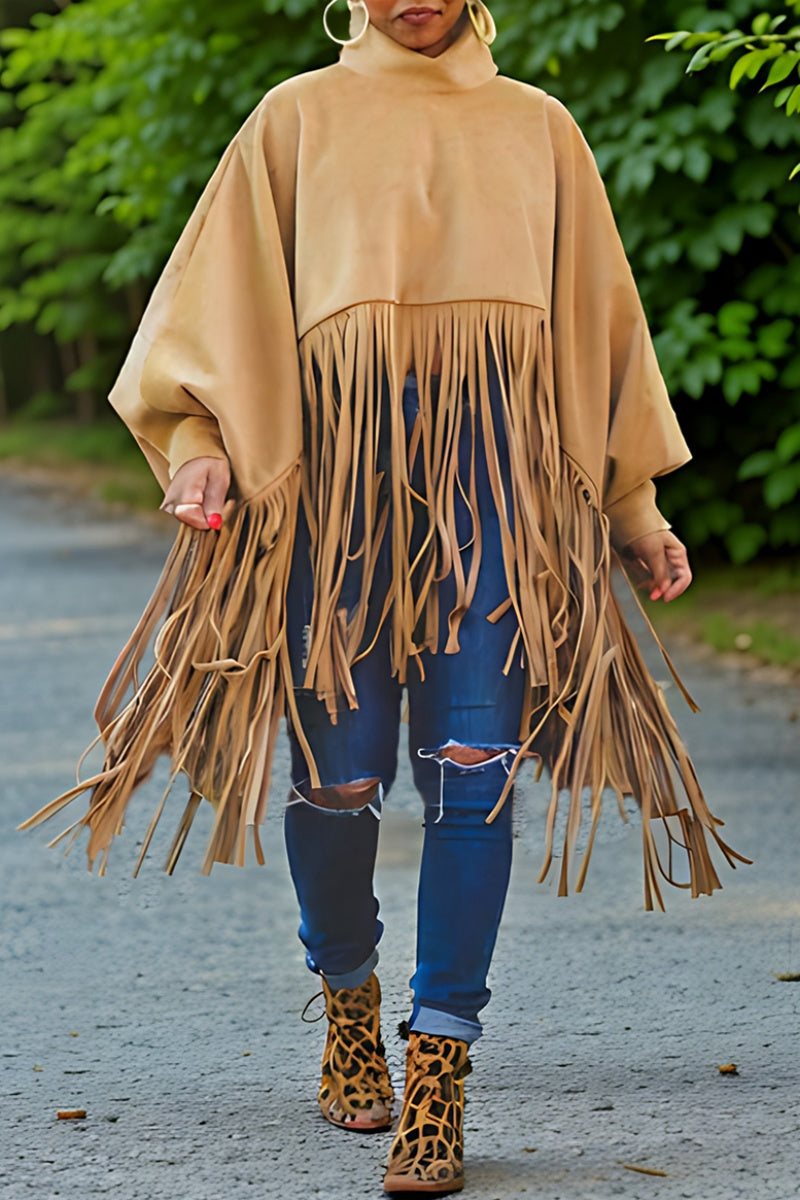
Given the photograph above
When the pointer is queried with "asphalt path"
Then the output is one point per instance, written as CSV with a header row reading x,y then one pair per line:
x,y
169,1009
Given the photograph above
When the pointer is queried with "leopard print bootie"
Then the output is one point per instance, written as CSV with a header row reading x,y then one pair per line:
x,y
427,1154
356,1091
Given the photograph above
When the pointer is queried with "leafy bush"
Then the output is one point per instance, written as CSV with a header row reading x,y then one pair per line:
x,y
698,178
770,47
121,111
124,109
141,98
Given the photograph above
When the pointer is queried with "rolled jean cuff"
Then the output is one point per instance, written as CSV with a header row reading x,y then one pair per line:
x,y
353,979
443,1024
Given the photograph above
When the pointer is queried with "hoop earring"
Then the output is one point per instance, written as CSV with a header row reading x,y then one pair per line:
x,y
482,21
352,5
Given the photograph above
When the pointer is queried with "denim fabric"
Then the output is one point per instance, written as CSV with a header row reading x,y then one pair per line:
x,y
464,698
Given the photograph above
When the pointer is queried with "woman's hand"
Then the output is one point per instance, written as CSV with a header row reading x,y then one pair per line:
x,y
666,562
198,491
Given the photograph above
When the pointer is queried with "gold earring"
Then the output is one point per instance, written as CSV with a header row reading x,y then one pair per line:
x,y
352,5
482,21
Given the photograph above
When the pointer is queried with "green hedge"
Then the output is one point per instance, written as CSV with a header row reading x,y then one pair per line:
x,y
117,111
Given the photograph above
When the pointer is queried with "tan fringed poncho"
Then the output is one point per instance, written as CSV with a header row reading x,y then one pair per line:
x,y
389,211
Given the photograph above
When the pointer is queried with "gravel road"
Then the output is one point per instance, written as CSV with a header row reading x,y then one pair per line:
x,y
170,1009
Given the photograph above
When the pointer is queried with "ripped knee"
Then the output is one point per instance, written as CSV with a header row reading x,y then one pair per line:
x,y
459,755
352,797
469,756
468,783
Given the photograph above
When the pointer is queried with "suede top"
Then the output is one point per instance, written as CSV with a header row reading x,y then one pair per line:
x,y
399,179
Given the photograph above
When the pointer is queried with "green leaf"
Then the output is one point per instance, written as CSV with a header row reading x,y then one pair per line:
x,y
775,339
782,485
722,52
635,174
694,378
787,446
697,162
700,59
755,466
735,318
11,38
745,378
744,542
781,68
748,65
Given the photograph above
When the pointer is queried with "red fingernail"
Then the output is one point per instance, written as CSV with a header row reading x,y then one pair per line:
x,y
214,520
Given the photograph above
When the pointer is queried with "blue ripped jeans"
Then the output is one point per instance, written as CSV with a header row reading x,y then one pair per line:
x,y
464,699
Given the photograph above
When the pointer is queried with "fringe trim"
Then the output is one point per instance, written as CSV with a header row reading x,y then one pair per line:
x,y
357,354
213,698
595,717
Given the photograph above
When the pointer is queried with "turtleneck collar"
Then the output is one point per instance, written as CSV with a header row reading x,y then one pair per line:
x,y
467,63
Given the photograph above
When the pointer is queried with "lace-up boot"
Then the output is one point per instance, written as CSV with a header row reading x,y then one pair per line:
x,y
356,1091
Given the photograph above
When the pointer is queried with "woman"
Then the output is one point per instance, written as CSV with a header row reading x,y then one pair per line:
x,y
399,350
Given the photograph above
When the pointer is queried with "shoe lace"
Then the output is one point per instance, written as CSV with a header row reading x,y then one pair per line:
x,y
319,1016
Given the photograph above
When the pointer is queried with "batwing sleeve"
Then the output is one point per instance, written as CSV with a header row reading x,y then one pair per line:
x,y
615,413
213,368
